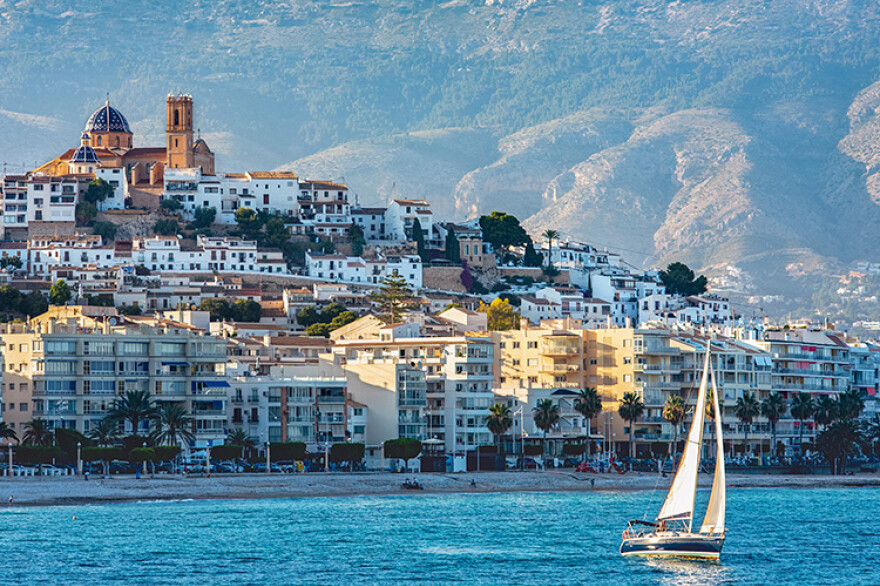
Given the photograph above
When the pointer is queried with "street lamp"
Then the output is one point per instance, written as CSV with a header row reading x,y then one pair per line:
x,y
79,458
145,460
9,470
268,458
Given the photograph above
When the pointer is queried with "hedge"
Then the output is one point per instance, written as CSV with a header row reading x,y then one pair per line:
x,y
142,455
574,449
287,451
532,450
226,452
37,454
402,448
101,454
165,453
349,452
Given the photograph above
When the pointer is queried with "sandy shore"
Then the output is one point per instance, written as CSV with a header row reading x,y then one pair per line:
x,y
71,490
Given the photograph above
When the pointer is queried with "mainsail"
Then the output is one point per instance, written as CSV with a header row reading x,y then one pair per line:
x,y
714,520
679,502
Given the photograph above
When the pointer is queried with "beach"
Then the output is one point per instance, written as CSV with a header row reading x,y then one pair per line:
x,y
69,490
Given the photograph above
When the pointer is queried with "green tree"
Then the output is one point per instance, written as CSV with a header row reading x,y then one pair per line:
x,y
37,433
249,223
246,310
105,432
203,217
499,420
33,304
679,279
452,250
850,404
7,433
59,293
802,408
217,307
10,262
134,407
418,236
97,191
85,212
343,319
106,230
393,297
166,227
226,452
276,234
550,236
332,311
308,316
500,315
318,330
838,442
746,409
403,448
172,425
357,240
589,404
546,416
825,412
532,258
631,409
502,231
129,310
170,205
10,298
239,437
674,411
773,408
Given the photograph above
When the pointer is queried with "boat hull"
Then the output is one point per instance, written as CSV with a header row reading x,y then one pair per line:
x,y
691,545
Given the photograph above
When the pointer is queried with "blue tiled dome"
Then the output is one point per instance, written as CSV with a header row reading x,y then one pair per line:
x,y
84,154
107,119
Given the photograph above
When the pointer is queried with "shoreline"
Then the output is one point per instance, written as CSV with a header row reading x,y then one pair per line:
x,y
75,491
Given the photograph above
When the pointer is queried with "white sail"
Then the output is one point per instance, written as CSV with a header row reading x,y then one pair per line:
x,y
679,502
714,520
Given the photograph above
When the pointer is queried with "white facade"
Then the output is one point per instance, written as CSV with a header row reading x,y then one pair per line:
x,y
401,214
354,269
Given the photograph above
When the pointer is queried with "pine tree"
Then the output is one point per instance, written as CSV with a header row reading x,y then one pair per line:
x,y
393,297
418,236
453,253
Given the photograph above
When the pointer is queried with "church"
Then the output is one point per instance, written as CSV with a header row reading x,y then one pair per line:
x,y
107,142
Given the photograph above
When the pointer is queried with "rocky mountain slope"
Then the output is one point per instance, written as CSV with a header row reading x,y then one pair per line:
x,y
720,132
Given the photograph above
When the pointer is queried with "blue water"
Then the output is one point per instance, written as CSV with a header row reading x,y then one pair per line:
x,y
778,536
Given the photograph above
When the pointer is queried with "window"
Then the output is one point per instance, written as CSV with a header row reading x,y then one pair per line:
x,y
627,378
531,345
516,345
23,407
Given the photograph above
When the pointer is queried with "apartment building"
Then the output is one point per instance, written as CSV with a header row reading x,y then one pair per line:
x,y
439,387
565,302
543,358
355,269
67,366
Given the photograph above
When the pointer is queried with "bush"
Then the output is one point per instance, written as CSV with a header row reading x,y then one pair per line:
x,y
101,454
533,450
287,451
106,230
349,452
142,455
170,205
226,452
165,453
37,454
402,448
574,449
166,227
129,309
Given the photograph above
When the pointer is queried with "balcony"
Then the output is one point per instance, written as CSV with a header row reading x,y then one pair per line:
x,y
810,372
559,368
658,350
557,349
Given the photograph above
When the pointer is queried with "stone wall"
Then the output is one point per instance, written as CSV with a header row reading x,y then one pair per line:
x,y
131,223
443,278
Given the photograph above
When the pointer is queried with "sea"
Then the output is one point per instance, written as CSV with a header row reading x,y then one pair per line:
x,y
775,536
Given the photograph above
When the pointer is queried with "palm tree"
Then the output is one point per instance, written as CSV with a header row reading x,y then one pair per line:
x,y
773,408
550,235
105,432
747,408
546,416
673,412
802,408
825,411
499,420
7,433
134,406
239,437
631,409
851,404
589,404
173,425
38,433
710,410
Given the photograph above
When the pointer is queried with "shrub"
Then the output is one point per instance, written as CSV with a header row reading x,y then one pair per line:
x,y
37,454
165,453
574,449
101,454
142,455
166,227
348,452
533,450
226,452
402,448
287,451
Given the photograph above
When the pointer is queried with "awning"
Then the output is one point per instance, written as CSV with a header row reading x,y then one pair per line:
x,y
175,363
215,383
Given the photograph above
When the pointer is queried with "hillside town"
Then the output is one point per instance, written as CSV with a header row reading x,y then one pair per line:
x,y
274,309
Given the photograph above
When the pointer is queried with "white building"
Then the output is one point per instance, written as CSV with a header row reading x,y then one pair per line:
x,y
401,214
354,269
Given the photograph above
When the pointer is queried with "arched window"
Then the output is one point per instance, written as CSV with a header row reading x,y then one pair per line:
x,y
100,138
176,117
117,141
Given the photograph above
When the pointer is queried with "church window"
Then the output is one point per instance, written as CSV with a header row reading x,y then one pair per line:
x,y
175,143
117,140
100,139
176,117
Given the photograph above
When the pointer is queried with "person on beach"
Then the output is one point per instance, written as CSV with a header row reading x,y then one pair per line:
x,y
10,500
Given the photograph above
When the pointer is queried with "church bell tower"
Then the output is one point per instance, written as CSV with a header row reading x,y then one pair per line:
x,y
179,132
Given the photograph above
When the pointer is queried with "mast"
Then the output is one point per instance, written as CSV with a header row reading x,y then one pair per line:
x,y
679,502
713,522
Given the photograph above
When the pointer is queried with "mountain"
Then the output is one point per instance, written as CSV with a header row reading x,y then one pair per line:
x,y
738,135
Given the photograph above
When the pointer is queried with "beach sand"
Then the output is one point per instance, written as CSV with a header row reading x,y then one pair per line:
x,y
75,490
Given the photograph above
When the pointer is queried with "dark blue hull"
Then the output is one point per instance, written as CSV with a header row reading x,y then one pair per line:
x,y
682,545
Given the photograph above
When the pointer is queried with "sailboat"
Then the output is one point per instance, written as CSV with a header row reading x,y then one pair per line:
x,y
671,533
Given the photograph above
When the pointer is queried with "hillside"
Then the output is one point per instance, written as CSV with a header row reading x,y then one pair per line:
x,y
723,133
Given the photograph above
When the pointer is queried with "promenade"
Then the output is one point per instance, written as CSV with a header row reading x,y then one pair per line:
x,y
45,491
